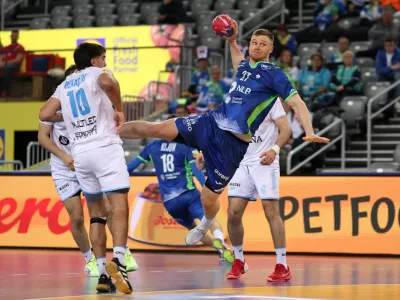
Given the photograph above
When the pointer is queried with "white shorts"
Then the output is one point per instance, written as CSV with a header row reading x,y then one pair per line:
x,y
253,180
102,169
66,183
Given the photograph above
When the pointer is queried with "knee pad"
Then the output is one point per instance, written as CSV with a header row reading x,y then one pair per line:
x,y
98,220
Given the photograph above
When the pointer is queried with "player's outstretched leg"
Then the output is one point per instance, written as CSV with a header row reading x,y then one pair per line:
x,y
211,205
282,270
119,229
141,129
236,209
219,243
130,261
74,208
98,237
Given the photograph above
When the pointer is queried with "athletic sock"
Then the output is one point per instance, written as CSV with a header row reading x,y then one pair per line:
x,y
238,251
218,235
101,265
281,256
205,223
119,252
87,255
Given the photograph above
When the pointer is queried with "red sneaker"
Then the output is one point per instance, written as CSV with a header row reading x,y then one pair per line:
x,y
281,274
238,268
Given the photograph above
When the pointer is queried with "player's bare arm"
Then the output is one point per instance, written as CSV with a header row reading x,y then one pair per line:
x,y
48,112
46,142
236,54
112,89
300,108
268,157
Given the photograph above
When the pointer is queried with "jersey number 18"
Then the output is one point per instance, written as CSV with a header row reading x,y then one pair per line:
x,y
168,162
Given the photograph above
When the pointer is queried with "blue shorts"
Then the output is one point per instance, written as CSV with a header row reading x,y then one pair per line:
x,y
185,208
222,151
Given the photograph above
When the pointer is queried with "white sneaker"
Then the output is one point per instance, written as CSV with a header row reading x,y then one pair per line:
x,y
194,236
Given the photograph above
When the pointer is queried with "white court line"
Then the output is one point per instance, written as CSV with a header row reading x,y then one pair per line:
x,y
188,271
45,274
221,289
156,271
19,274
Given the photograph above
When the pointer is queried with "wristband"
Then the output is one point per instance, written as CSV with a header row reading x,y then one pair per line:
x,y
276,148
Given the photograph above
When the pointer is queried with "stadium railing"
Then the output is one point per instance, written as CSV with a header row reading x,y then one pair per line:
x,y
5,9
341,137
11,165
183,75
371,116
36,155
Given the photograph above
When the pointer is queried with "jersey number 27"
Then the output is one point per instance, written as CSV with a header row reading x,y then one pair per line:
x,y
78,101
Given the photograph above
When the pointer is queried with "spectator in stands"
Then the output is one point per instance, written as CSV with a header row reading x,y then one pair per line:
x,y
379,32
201,76
325,27
172,12
328,12
11,58
346,80
371,13
286,64
314,81
285,39
214,94
388,63
343,46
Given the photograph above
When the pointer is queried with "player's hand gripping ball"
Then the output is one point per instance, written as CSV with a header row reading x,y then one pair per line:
x,y
222,25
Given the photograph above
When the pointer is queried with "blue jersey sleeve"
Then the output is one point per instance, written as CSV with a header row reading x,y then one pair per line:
x,y
145,154
199,174
133,164
282,85
143,157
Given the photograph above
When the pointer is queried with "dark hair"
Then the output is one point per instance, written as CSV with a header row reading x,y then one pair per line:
x,y
265,32
281,27
70,70
389,39
84,54
15,31
319,55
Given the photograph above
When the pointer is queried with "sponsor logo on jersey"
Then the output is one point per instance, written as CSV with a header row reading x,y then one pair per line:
x,y
256,139
219,183
265,67
219,190
222,176
239,88
237,100
162,177
258,76
63,140
189,122
234,184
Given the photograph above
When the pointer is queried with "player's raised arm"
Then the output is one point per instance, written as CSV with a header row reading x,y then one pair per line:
x,y
111,87
300,108
48,112
46,142
236,54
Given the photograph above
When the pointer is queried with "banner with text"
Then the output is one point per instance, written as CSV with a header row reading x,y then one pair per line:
x,y
321,214
132,66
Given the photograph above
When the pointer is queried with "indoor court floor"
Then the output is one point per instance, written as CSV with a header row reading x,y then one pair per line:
x,y
40,274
